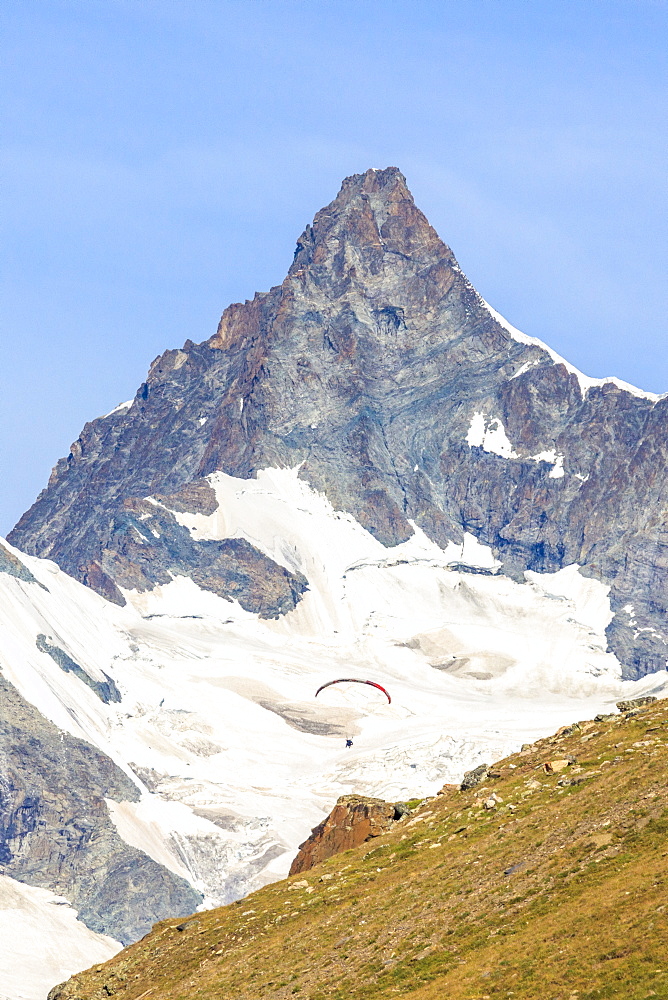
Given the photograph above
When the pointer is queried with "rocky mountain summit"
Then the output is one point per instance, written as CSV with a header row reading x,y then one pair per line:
x,y
378,371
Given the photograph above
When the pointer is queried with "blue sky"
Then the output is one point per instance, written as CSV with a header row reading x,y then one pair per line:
x,y
161,157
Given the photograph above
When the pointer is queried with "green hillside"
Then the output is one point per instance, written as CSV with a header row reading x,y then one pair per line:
x,y
556,891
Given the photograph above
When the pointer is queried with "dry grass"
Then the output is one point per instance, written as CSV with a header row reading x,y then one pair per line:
x,y
433,909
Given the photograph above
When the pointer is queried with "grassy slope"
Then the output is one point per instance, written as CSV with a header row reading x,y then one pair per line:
x,y
429,910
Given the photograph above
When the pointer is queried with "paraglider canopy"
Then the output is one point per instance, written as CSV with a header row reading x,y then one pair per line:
x,y
353,680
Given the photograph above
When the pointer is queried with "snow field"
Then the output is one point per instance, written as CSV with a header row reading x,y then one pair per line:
x,y
42,941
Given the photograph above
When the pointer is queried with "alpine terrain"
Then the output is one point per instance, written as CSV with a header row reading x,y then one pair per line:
x,y
546,880
365,473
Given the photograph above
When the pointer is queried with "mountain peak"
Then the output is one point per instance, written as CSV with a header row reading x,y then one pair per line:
x,y
374,214
378,371
384,182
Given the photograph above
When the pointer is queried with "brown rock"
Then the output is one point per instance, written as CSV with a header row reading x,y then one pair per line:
x,y
448,788
353,820
197,497
552,766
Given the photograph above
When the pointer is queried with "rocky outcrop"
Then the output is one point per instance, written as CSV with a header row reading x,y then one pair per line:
x,y
13,566
149,547
630,704
106,690
353,820
56,833
474,777
379,371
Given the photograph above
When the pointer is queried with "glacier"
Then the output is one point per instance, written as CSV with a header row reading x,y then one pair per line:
x,y
217,726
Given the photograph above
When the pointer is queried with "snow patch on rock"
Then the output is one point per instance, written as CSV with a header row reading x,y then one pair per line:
x,y
118,409
588,598
489,434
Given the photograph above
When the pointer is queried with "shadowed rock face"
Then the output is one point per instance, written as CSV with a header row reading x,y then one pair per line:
x,y
56,833
353,820
367,368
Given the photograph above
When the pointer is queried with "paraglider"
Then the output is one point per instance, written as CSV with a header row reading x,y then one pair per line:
x,y
353,680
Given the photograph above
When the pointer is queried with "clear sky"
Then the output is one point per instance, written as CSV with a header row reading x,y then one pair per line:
x,y
161,157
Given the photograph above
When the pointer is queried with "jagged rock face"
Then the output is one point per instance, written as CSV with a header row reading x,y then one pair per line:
x,y
377,369
55,831
353,820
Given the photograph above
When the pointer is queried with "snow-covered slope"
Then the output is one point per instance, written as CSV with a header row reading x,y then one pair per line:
x,y
217,726
586,382
42,941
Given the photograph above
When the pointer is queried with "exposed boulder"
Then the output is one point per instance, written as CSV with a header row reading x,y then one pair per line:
x,y
628,706
353,820
554,766
474,777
